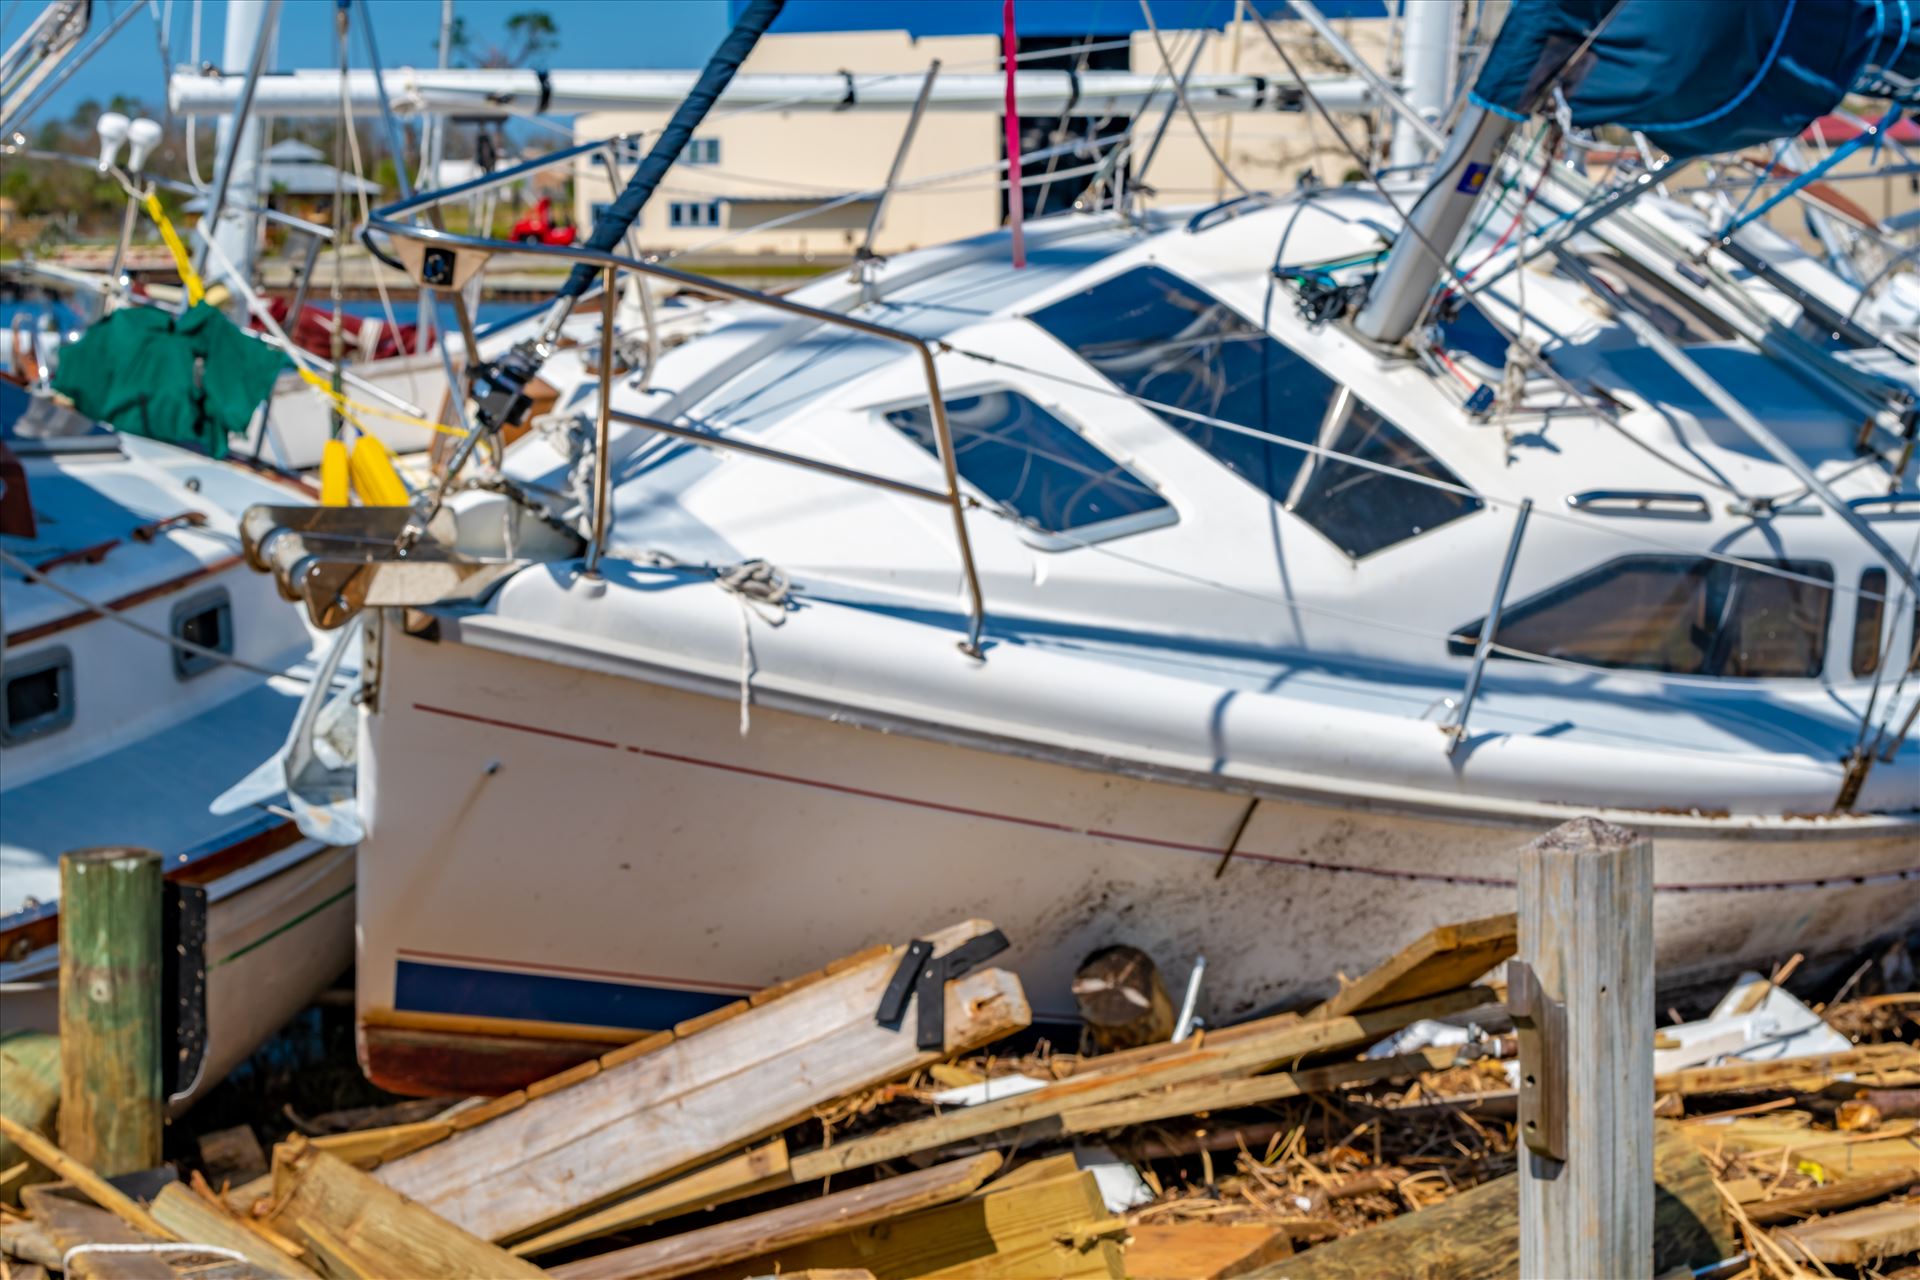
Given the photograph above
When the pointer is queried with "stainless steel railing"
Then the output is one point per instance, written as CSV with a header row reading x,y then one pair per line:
x,y
388,221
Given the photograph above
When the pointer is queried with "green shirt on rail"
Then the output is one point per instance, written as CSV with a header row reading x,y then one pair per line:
x,y
190,379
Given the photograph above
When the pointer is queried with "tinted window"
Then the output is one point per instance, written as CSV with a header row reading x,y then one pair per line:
x,y
1868,616
1360,510
1677,614
38,695
207,621
1464,327
1162,339
1031,462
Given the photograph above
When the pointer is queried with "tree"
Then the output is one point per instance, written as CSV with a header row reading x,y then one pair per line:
x,y
531,33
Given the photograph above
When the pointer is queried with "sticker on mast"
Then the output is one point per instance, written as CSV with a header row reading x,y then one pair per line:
x,y
1473,179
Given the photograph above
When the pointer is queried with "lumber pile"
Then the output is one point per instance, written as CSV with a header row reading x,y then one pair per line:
x,y
805,1132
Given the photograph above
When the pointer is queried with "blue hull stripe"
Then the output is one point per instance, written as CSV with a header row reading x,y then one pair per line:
x,y
492,993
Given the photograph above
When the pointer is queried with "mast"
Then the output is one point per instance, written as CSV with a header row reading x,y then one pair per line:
x,y
1431,31
237,230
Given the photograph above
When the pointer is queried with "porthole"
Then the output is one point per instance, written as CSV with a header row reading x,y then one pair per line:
x,y
38,695
205,620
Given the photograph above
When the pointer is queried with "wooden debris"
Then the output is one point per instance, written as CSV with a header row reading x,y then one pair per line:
x,y
1859,1236
1218,1095
1203,1250
29,1096
28,1238
343,1214
370,1148
1768,1210
1057,1228
193,1217
1444,959
788,1227
232,1155
1122,1000
1789,1073
661,1111
1251,1051
91,1184
763,1168
71,1222
1476,1234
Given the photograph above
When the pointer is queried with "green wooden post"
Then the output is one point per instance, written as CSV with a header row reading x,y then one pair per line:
x,y
111,1102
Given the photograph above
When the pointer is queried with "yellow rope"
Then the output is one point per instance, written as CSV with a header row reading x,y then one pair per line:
x,y
321,385
188,276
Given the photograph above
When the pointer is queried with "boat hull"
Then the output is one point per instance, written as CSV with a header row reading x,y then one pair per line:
x,y
604,851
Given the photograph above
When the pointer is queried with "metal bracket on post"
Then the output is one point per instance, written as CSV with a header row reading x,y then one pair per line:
x,y
1541,1022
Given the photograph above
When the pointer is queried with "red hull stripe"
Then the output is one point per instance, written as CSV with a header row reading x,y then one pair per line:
x,y
1121,837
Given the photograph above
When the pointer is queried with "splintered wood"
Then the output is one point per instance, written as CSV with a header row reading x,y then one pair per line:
x,y
795,1135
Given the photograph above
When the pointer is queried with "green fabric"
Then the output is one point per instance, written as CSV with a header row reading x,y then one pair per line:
x,y
192,379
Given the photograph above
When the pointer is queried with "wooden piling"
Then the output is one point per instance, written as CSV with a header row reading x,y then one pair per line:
x,y
1581,990
111,1096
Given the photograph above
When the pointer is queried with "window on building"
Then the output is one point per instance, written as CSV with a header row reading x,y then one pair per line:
x,y
1679,614
1361,510
1033,464
693,213
598,209
627,153
205,620
1168,342
702,151
38,695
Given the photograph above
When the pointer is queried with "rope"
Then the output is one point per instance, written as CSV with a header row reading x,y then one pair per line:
x,y
108,612
212,1250
762,591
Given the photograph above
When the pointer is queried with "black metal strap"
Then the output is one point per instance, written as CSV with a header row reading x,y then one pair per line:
x,y
919,974
851,99
546,91
931,1033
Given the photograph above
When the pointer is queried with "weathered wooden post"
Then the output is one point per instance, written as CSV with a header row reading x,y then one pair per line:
x,y
111,1098
1581,992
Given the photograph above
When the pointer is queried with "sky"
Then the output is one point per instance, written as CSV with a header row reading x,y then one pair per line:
x,y
593,33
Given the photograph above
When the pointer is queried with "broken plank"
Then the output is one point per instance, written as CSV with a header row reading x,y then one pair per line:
x,y
1219,1095
763,1168
1283,1043
193,1217
1203,1250
1450,956
322,1201
1789,1073
1058,1229
1858,1236
367,1148
71,1222
1835,1195
788,1226
669,1109
91,1184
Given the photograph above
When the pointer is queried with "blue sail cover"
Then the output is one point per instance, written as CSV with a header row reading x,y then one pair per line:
x,y
1704,75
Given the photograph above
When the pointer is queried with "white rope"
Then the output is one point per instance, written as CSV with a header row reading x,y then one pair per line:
x,y
761,590
159,1246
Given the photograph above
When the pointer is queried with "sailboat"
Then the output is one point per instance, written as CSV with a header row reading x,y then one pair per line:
x,y
1250,580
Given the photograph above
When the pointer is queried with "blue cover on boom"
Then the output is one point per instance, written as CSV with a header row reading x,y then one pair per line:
x,y
1705,75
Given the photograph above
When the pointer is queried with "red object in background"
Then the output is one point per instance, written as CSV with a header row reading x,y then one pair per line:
x,y
16,506
1832,130
537,227
365,337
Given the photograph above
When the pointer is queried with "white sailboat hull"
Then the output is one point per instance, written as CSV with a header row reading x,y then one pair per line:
x,y
587,848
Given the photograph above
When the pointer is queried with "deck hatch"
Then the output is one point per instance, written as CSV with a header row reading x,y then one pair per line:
x,y
1036,465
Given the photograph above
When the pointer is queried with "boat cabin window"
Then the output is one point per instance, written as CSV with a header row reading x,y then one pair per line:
x,y
1678,614
1361,510
205,620
1164,340
1869,617
38,695
1036,466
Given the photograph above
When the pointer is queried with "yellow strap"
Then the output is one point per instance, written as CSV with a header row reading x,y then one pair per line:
x,y
325,388
188,276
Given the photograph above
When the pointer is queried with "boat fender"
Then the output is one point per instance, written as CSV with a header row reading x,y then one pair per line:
x,y
927,978
333,474
374,478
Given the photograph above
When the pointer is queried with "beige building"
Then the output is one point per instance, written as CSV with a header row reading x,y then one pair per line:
x,y
750,168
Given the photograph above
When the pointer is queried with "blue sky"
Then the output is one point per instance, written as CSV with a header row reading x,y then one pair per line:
x,y
593,33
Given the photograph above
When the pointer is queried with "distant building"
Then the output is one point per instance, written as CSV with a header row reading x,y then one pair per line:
x,y
751,169
297,178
